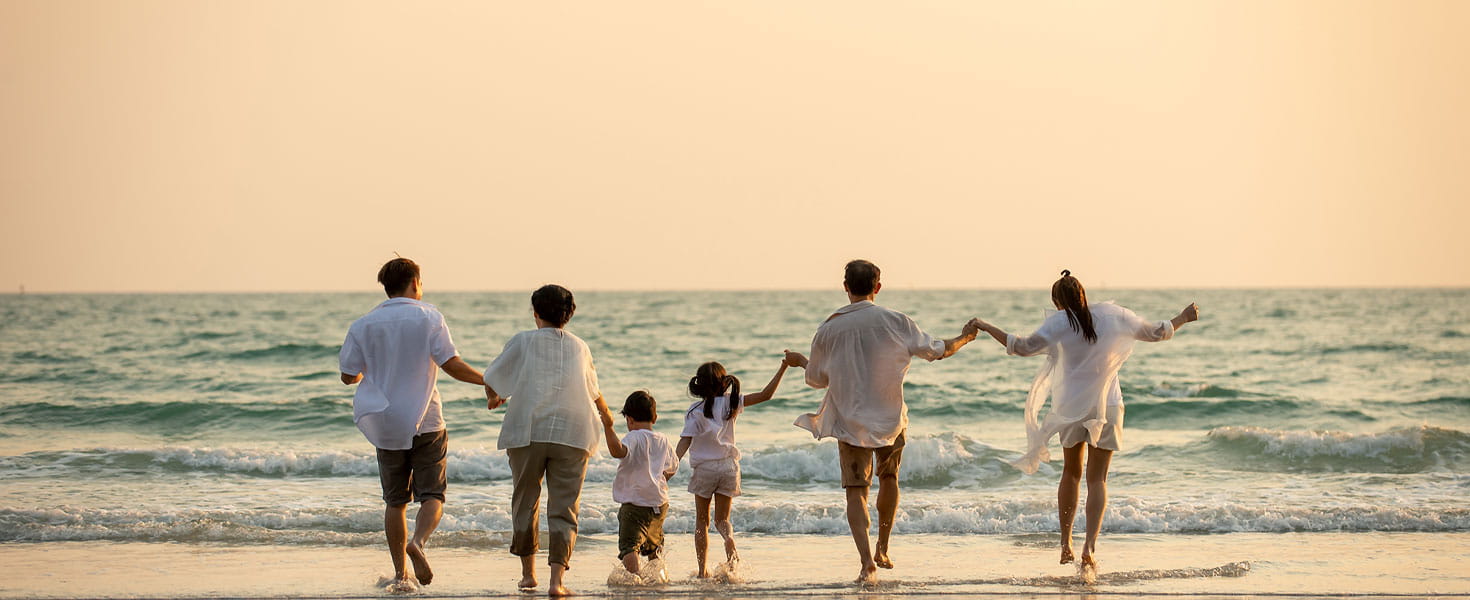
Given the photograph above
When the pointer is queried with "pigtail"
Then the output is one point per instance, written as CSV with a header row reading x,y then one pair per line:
x,y
733,383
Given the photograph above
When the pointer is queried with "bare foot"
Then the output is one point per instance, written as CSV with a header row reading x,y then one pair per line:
x,y
1067,554
559,591
880,558
421,569
868,575
1087,569
527,583
703,574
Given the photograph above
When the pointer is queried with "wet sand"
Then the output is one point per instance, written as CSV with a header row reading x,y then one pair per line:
x,y
1314,564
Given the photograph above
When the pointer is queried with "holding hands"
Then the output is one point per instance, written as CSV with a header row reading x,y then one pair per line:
x,y
794,359
492,399
605,414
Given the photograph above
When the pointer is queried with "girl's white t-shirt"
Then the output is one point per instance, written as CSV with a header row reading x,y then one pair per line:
x,y
712,439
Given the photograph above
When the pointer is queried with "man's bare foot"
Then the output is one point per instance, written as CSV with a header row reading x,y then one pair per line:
x,y
702,574
527,583
1087,569
421,569
869,574
559,591
1066,555
880,558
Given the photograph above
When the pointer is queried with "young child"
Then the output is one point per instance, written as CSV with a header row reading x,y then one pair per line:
x,y
709,438
646,461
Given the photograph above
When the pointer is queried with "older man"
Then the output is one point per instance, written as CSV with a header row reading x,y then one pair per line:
x,y
394,353
860,355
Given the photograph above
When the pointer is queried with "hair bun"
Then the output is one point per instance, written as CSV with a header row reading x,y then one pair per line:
x,y
1066,272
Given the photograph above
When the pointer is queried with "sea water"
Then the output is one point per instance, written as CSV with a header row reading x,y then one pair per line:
x,y
219,420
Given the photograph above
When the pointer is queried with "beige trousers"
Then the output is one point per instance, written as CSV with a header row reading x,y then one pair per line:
x,y
564,468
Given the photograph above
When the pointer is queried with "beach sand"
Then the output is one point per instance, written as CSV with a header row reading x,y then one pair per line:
x,y
1308,564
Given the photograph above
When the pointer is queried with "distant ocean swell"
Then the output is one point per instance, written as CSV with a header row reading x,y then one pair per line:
x,y
930,461
470,525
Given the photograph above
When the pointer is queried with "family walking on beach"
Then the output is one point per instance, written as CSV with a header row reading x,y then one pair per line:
x,y
555,408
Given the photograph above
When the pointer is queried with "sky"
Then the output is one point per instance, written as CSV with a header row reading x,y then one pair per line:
x,y
262,145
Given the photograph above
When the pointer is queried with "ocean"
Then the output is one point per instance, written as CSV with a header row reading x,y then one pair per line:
x,y
195,425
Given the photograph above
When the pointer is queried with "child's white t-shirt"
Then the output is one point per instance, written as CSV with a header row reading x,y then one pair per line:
x,y
712,439
640,479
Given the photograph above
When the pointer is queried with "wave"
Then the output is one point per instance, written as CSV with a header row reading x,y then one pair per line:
x,y
1403,450
488,522
182,417
289,353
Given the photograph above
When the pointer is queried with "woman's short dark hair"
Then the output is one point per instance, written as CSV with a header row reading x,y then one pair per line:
x,y
861,277
396,275
640,406
554,304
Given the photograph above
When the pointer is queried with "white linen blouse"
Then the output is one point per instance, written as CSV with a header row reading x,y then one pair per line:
x,y
1080,377
547,376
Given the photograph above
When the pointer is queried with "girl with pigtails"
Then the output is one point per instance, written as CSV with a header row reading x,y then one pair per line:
x,y
1085,347
709,439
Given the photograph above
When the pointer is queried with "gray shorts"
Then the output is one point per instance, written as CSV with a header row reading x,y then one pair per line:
x,y
716,477
416,473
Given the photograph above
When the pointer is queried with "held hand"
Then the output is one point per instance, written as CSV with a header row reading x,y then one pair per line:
x,y
972,328
492,399
1190,313
606,416
794,359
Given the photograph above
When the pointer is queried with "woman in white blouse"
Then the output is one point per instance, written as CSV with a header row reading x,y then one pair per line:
x,y
1085,348
546,379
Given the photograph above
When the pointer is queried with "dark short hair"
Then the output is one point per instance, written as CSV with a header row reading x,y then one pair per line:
x,y
640,406
861,277
554,304
397,274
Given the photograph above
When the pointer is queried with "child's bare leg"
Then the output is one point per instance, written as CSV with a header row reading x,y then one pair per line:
x,y
630,562
701,533
528,572
1067,496
722,523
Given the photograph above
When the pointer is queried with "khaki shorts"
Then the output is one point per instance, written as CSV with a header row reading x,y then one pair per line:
x,y
417,473
641,529
1111,437
716,477
858,463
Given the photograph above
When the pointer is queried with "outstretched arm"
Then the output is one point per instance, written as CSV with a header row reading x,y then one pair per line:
x,y
770,389
996,333
614,445
967,335
1190,314
457,368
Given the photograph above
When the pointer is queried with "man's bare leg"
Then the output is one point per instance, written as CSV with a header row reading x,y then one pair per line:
x,y
395,525
557,588
1067,496
858,522
1098,461
424,524
701,534
528,572
887,512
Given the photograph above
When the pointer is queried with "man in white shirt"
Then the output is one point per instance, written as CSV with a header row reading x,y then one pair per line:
x,y
393,353
860,355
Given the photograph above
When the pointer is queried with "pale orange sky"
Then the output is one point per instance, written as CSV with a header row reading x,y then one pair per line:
x,y
260,145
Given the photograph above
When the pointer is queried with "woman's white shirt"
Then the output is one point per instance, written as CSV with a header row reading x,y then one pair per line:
x,y
548,377
1080,377
711,439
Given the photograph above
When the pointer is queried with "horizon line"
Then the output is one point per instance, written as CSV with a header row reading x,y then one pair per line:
x,y
431,292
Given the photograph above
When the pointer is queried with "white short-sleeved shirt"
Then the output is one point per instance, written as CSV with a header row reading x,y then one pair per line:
x,y
640,479
711,439
397,347
548,376
861,354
